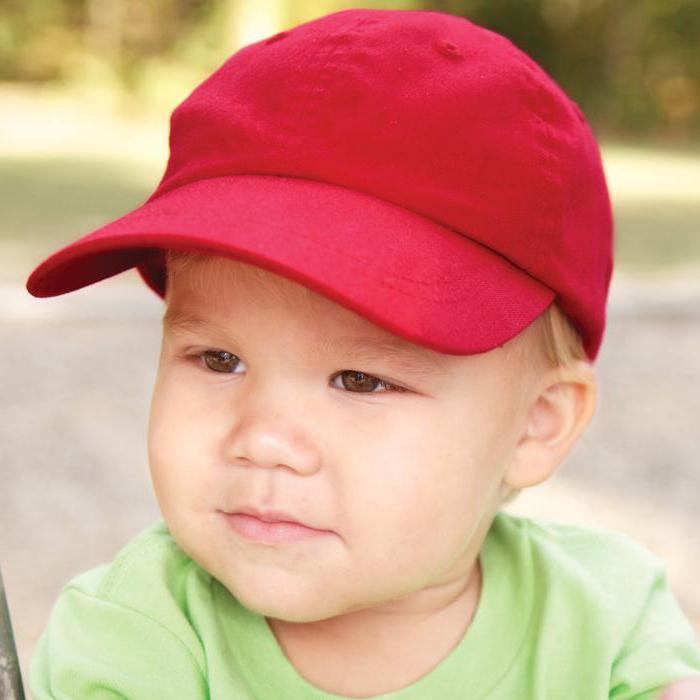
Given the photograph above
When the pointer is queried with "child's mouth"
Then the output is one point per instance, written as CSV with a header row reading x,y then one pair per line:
x,y
258,530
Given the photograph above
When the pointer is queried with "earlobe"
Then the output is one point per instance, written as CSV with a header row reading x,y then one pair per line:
x,y
557,414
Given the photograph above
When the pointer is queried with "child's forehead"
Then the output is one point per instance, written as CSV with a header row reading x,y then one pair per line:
x,y
219,286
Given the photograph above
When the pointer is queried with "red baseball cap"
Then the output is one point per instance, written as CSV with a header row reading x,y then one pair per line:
x,y
410,165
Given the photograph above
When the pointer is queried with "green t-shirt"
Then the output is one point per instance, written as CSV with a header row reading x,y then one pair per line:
x,y
565,612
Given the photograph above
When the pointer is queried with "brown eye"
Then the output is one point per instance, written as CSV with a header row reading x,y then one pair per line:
x,y
359,382
220,360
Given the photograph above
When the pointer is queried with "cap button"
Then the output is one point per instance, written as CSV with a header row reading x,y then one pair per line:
x,y
276,37
449,49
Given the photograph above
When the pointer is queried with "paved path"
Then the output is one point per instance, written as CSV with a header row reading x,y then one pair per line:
x,y
77,373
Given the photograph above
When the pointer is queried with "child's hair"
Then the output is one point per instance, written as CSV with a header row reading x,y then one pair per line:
x,y
557,343
175,261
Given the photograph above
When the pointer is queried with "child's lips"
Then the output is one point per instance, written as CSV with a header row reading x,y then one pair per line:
x,y
259,530
270,515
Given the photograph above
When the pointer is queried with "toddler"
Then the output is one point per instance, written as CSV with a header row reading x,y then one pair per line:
x,y
384,243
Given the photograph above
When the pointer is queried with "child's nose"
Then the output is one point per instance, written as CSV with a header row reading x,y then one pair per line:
x,y
262,436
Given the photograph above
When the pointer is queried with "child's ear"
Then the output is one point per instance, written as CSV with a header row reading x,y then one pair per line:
x,y
561,408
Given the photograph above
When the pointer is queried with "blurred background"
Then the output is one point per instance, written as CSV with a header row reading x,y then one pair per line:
x,y
86,91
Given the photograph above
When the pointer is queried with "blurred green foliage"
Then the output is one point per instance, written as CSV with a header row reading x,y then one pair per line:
x,y
632,65
114,43
43,39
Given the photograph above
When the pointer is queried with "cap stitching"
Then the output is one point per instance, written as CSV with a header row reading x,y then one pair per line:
x,y
334,47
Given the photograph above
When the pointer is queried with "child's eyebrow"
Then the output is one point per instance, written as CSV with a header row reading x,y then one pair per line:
x,y
415,361
183,320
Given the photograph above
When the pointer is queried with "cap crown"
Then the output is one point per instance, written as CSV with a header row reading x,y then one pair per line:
x,y
425,110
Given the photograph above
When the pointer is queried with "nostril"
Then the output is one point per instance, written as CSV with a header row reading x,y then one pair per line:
x,y
449,49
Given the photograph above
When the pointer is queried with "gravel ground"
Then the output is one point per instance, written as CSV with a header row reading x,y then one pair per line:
x,y
77,372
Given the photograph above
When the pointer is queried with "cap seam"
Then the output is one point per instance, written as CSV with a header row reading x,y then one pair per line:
x,y
337,39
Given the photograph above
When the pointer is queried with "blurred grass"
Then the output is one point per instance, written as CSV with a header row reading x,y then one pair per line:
x,y
655,236
55,198
66,171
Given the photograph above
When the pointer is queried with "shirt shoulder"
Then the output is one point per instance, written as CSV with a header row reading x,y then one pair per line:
x,y
603,568
612,589
150,565
128,628
608,561
153,577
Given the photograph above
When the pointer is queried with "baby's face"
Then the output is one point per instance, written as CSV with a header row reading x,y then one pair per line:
x,y
404,483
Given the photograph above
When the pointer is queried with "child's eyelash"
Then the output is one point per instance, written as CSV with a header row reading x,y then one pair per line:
x,y
225,356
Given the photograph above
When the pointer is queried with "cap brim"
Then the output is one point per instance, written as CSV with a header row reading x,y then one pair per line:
x,y
418,279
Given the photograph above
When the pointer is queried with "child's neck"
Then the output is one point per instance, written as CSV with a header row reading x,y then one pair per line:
x,y
379,650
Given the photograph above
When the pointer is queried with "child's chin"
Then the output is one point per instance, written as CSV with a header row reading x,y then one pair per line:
x,y
283,601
